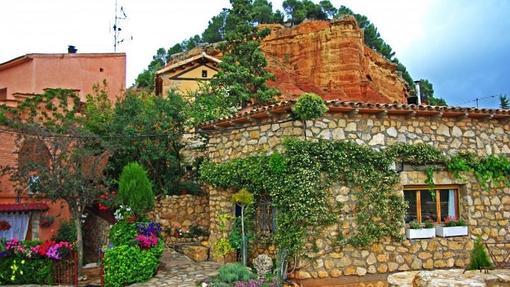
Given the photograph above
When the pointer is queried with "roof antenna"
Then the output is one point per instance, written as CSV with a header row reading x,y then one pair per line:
x,y
120,15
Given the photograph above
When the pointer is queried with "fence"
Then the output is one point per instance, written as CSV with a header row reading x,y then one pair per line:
x,y
499,253
65,272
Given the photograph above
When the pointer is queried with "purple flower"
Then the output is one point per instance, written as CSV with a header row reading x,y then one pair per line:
x,y
254,283
149,228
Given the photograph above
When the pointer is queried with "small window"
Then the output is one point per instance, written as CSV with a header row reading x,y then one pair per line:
x,y
204,73
101,70
431,205
265,218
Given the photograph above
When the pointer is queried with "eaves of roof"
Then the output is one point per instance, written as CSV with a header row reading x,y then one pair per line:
x,y
338,106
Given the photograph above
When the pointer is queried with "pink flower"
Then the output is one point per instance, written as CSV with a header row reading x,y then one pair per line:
x,y
146,242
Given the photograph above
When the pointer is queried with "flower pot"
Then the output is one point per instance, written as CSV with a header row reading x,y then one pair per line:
x,y
420,233
444,231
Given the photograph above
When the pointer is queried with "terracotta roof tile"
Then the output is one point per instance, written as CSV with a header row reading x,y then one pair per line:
x,y
347,106
23,207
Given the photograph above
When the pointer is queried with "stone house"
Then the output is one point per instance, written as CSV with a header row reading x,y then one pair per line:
x,y
186,75
450,129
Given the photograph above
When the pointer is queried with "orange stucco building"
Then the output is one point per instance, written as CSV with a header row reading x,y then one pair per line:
x,y
21,78
32,73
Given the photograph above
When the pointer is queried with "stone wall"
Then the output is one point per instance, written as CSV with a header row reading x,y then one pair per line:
x,y
181,211
95,237
487,212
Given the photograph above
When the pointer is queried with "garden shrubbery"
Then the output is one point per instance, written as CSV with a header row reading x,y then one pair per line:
x,y
238,275
134,257
136,242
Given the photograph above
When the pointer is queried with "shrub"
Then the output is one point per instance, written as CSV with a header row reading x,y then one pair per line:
x,y
135,188
479,259
125,264
66,232
123,233
233,272
17,270
309,106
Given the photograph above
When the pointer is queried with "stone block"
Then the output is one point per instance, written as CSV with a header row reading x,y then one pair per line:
x,y
197,253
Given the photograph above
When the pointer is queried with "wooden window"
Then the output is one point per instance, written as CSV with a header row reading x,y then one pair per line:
x,y
431,205
265,218
204,73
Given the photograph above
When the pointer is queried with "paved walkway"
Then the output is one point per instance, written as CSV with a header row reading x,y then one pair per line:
x,y
180,271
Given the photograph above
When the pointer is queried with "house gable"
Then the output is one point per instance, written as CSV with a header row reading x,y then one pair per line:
x,y
187,75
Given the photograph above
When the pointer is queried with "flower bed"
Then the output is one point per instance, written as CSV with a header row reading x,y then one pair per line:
x,y
31,262
134,256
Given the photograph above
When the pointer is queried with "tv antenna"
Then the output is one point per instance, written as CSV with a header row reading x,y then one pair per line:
x,y
120,15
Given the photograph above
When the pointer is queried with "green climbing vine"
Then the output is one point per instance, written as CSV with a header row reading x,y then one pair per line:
x,y
298,178
54,107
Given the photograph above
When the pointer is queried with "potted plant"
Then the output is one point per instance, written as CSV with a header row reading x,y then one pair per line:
x,y
420,231
452,227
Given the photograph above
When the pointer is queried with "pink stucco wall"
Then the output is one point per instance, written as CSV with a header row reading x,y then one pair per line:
x,y
37,72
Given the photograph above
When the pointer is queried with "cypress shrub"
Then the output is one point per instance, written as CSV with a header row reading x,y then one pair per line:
x,y
135,188
479,258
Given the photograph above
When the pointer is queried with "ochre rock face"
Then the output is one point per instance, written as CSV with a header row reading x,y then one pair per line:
x,y
330,59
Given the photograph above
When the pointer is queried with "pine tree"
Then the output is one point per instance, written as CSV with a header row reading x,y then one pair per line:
x,y
504,102
242,70
479,259
135,188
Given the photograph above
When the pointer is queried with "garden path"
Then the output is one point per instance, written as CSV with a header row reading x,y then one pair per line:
x,y
180,271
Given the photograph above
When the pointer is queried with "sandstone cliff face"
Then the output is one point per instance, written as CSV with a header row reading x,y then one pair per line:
x,y
330,59
326,58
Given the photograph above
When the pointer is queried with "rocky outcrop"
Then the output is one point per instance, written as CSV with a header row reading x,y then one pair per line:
x,y
328,58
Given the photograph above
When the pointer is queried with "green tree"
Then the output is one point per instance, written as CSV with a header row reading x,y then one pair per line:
x,y
135,189
98,111
328,8
148,130
209,105
263,12
146,78
504,102
215,30
242,70
294,11
177,48
427,94
479,258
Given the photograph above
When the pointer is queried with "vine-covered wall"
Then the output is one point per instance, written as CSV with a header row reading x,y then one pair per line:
x,y
486,211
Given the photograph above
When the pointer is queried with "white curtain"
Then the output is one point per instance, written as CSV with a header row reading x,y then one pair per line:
x,y
451,203
19,225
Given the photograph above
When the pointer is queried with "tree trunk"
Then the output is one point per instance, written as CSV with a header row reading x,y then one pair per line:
x,y
79,239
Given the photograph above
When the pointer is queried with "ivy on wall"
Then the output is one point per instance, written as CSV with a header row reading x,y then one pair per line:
x,y
298,179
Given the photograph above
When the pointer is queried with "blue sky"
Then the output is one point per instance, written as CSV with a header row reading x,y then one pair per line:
x,y
461,46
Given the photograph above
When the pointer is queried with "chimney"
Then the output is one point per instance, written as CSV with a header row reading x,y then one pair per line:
x,y
418,92
71,49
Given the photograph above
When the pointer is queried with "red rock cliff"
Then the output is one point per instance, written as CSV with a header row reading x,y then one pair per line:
x,y
328,58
